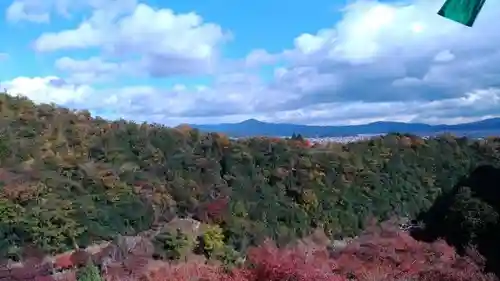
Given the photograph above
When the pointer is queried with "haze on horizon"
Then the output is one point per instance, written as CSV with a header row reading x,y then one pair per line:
x,y
214,61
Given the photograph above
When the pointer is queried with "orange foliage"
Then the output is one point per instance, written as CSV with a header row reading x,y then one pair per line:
x,y
184,128
223,140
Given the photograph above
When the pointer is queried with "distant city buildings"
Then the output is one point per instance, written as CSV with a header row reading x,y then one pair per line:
x,y
344,139
323,140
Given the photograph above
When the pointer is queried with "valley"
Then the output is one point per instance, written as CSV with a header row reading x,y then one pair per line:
x,y
70,181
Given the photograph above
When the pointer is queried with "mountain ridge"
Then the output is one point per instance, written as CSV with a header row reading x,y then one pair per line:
x,y
254,127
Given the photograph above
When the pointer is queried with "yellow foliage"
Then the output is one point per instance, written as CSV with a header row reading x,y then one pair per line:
x,y
213,238
309,199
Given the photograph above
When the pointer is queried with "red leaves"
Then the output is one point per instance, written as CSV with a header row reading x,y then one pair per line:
x,y
64,261
385,253
399,256
273,264
187,272
79,258
214,211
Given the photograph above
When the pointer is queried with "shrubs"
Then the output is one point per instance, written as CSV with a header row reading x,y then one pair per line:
x,y
89,272
383,253
228,256
212,239
270,263
168,245
189,271
396,256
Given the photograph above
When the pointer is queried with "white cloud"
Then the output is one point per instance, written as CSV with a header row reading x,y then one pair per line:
x,y
37,11
26,11
94,69
381,61
84,36
444,56
47,89
166,43
373,30
181,104
259,57
383,52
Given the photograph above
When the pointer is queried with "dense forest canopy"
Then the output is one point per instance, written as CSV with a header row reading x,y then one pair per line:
x,y
68,179
468,215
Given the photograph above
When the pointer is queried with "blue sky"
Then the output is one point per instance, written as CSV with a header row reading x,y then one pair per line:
x,y
210,61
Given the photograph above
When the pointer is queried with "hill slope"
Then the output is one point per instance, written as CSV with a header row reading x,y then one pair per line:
x,y
254,127
68,178
468,215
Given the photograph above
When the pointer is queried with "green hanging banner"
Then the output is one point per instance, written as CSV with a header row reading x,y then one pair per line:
x,y
462,11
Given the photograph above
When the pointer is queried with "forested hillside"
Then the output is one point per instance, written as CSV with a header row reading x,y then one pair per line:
x,y
468,215
68,178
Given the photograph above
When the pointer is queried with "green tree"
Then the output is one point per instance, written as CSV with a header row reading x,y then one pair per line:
x,y
90,272
170,244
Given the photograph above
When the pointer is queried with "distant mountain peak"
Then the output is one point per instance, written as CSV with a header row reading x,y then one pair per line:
x,y
252,121
254,127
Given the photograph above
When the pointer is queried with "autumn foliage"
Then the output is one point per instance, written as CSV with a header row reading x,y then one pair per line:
x,y
68,181
382,253
273,264
388,254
